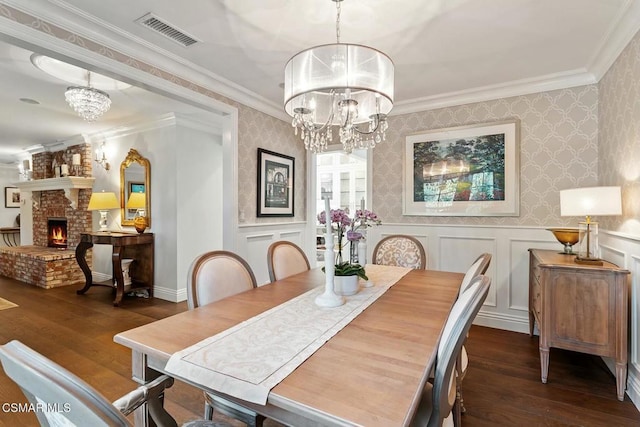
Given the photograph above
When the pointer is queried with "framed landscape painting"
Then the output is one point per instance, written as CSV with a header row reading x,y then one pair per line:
x,y
275,184
463,171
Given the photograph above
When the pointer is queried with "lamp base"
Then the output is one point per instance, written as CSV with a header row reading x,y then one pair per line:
x,y
588,261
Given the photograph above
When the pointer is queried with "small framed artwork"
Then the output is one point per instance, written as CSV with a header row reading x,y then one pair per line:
x,y
11,197
463,171
136,187
275,184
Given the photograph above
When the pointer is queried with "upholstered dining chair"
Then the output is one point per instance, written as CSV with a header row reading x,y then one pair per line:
x,y
439,398
401,251
212,276
285,259
71,401
478,267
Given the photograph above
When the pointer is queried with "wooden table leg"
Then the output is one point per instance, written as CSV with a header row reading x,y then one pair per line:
x,y
116,260
81,252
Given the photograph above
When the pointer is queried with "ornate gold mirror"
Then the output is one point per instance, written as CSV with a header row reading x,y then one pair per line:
x,y
135,180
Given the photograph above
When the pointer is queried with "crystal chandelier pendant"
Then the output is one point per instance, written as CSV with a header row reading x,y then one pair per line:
x,y
88,102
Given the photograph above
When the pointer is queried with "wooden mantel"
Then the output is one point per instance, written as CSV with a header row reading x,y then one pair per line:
x,y
70,184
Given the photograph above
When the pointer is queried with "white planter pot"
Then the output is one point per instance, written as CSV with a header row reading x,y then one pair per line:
x,y
345,285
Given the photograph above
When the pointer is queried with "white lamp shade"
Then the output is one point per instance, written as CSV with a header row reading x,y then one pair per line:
x,y
311,75
103,201
591,201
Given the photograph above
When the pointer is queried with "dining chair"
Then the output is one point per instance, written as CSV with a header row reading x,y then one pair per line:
x,y
400,250
478,267
285,259
213,276
438,399
71,401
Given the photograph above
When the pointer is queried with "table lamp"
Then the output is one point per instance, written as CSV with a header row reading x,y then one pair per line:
x,y
138,201
588,202
103,202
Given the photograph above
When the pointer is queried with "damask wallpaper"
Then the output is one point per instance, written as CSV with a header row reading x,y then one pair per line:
x,y
259,130
619,138
558,150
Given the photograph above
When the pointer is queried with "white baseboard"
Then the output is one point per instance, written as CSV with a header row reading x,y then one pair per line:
x,y
168,294
502,321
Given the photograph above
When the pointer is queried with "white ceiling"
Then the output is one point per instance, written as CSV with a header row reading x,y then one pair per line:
x,y
445,51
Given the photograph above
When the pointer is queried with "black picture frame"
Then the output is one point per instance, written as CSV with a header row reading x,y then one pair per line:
x,y
276,185
11,197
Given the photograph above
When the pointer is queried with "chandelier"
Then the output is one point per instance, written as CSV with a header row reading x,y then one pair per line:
x,y
339,85
88,102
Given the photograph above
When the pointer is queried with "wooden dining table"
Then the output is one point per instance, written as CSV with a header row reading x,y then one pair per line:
x,y
371,373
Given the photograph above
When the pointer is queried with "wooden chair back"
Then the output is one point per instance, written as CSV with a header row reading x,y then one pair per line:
x,y
440,397
215,275
285,259
400,250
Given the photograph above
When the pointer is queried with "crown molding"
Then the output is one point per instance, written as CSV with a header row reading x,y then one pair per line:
x,y
74,20
503,90
70,18
625,27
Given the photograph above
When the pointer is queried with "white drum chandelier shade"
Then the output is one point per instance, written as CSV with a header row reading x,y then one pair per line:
x,y
314,75
341,85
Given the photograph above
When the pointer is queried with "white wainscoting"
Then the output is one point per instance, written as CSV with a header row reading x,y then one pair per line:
x,y
254,241
624,250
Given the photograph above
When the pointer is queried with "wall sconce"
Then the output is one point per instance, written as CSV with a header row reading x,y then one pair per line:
x,y
587,202
25,170
101,157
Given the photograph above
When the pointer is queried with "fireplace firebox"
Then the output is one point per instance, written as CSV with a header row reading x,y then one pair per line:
x,y
57,232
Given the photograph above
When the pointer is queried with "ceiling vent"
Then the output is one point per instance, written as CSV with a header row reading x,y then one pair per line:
x,y
159,26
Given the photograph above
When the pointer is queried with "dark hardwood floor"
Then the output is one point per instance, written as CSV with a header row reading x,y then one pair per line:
x,y
502,386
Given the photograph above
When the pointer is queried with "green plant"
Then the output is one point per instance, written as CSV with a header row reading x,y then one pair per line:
x,y
348,269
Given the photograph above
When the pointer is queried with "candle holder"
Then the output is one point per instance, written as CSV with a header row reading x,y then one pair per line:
x,y
329,298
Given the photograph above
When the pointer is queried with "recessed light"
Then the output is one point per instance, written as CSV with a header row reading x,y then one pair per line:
x,y
75,75
29,101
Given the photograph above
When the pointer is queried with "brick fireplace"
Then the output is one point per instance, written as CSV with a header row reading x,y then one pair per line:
x,y
58,200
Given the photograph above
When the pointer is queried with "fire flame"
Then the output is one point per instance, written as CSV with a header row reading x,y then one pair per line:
x,y
57,235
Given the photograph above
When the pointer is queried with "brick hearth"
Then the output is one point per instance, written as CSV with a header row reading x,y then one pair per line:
x,y
41,266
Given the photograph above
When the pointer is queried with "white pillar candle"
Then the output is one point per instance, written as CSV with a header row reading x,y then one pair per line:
x,y
25,165
64,170
327,213
76,159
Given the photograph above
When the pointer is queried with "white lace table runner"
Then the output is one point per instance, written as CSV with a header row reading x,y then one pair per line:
x,y
249,359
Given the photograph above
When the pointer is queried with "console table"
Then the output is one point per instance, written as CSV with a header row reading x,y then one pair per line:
x,y
579,308
138,246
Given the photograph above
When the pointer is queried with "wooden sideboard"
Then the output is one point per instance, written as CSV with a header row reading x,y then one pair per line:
x,y
138,246
580,308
